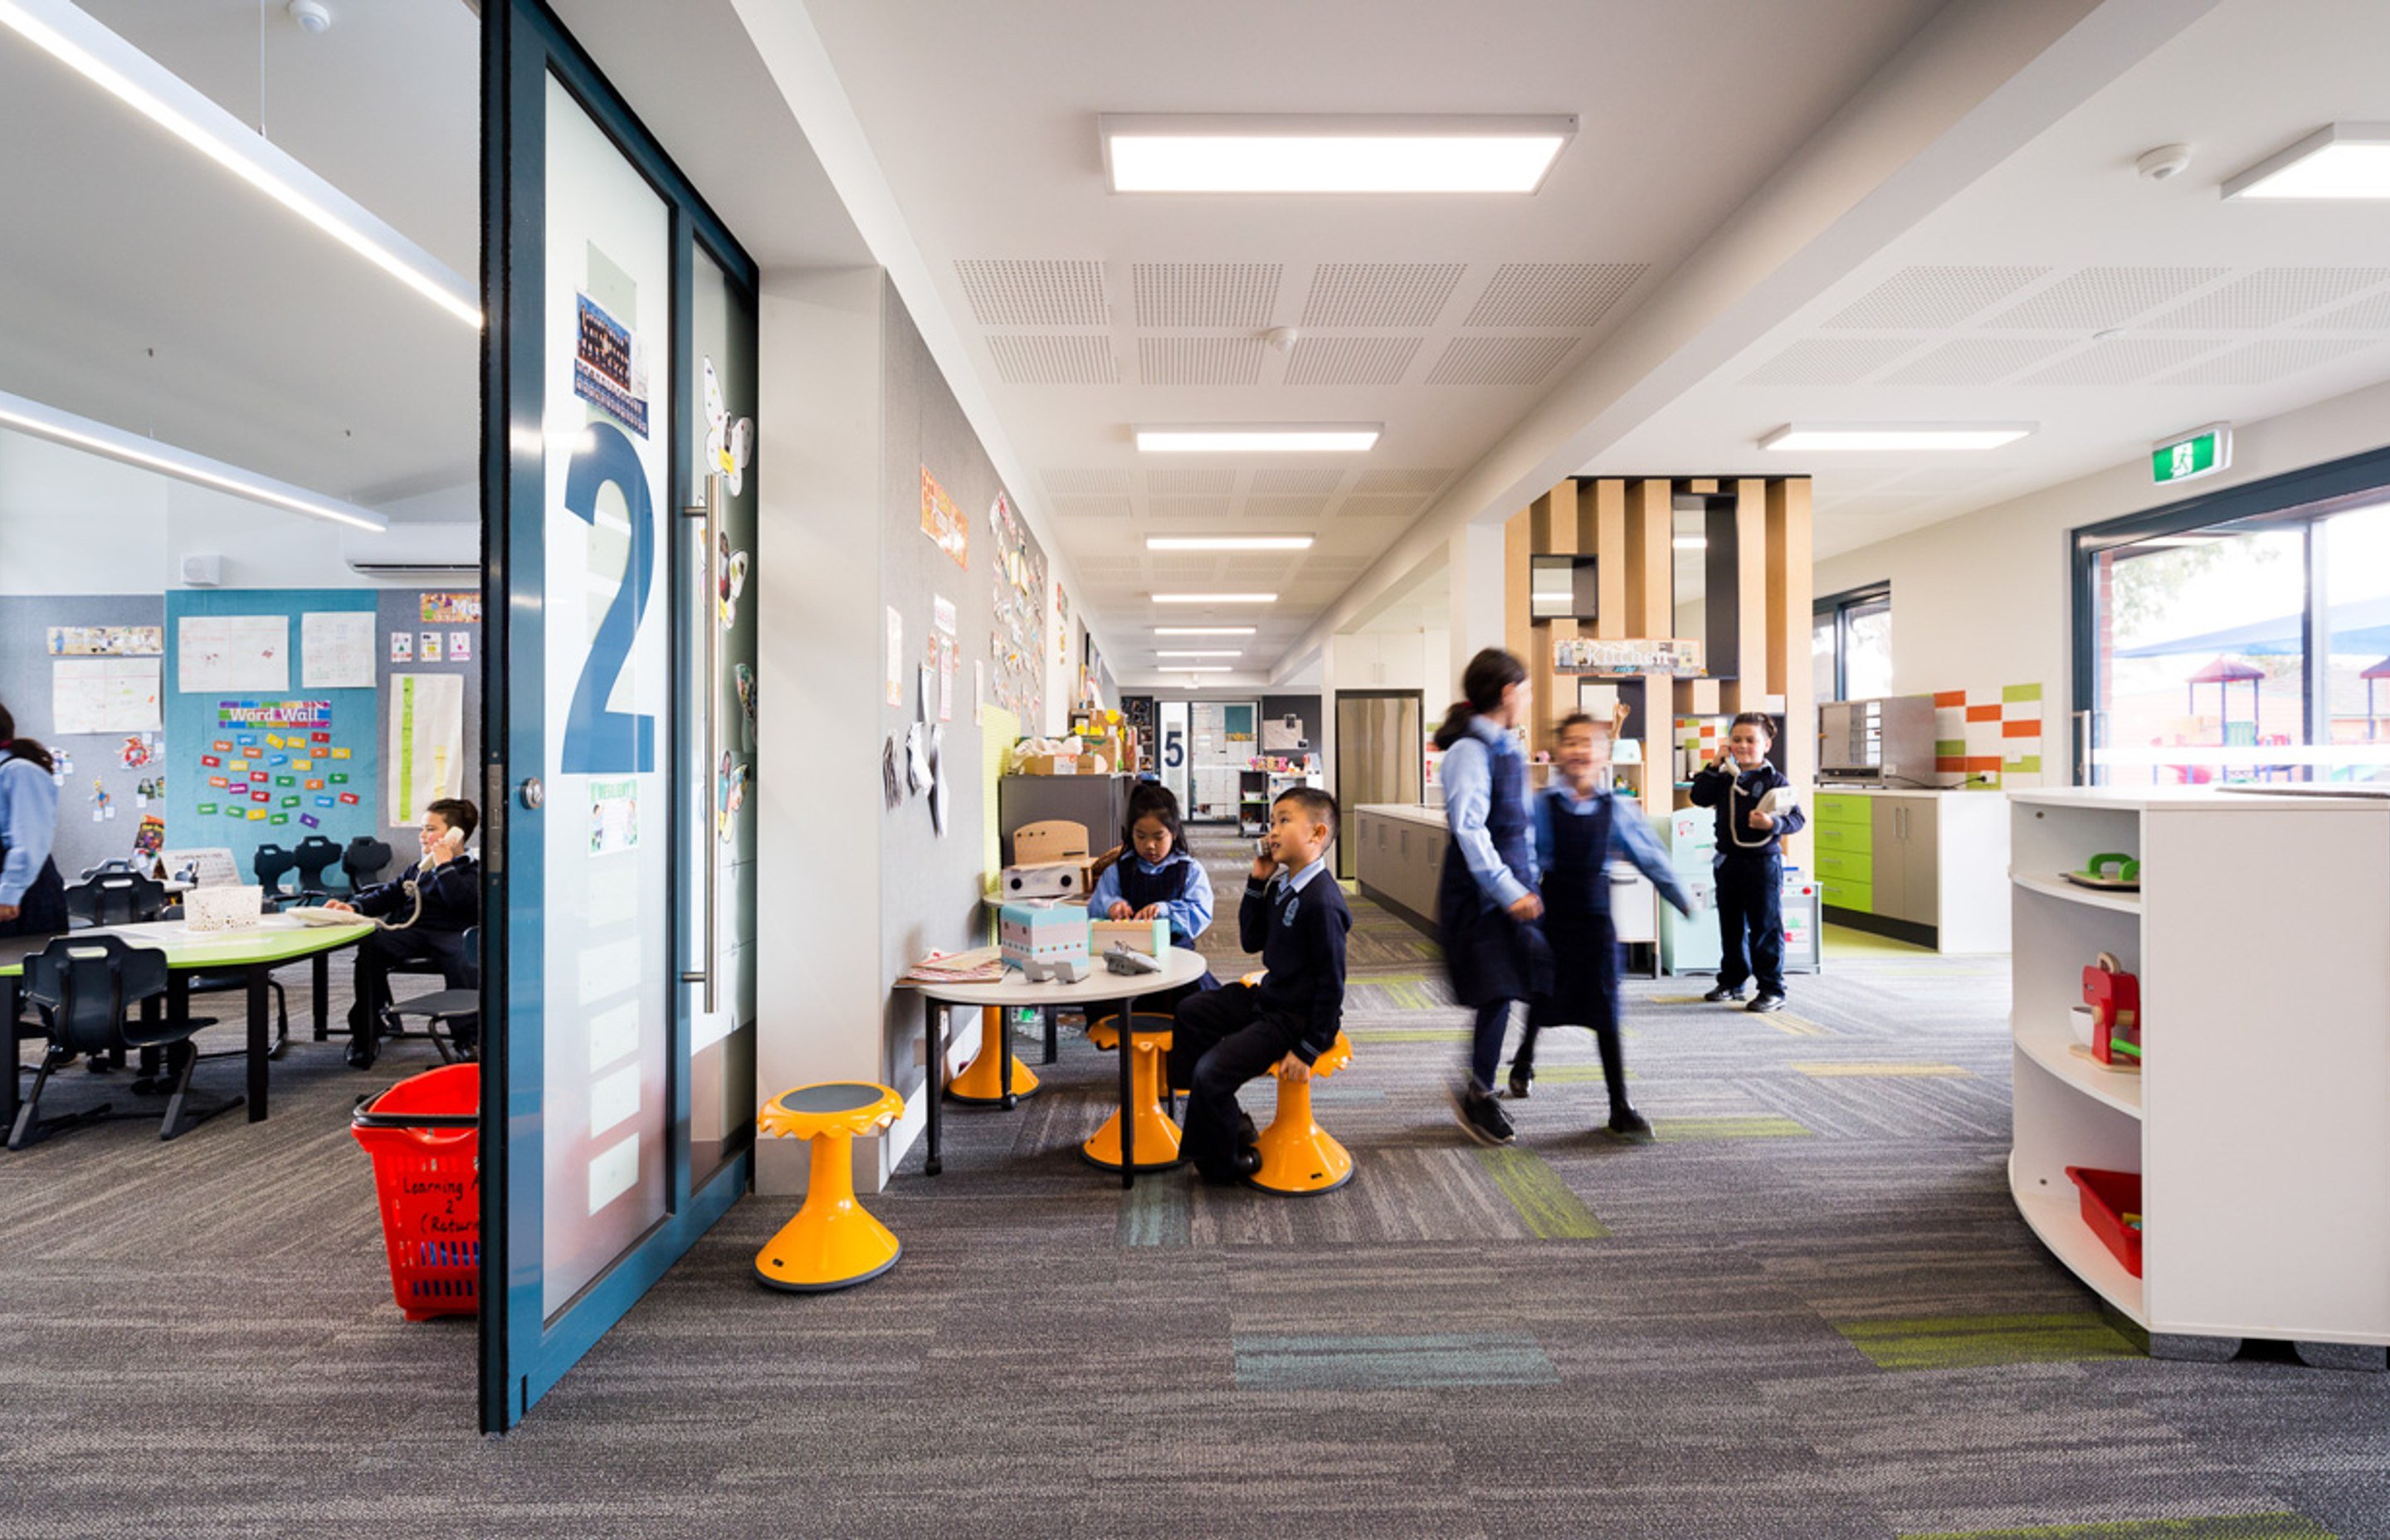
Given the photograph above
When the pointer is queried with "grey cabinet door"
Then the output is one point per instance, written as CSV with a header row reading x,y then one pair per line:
x,y
1921,863
1890,859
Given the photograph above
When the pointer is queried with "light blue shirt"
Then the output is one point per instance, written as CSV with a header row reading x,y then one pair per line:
x,y
1191,912
1469,769
1630,838
29,824
1295,884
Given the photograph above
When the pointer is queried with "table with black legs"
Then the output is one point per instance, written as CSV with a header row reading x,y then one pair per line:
x,y
255,949
1101,987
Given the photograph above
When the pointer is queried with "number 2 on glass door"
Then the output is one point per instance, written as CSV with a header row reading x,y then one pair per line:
x,y
597,740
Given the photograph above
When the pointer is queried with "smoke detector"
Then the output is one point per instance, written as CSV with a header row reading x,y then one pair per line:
x,y
2164,164
310,16
1281,338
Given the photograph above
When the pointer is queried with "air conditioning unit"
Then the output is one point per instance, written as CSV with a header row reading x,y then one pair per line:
x,y
415,553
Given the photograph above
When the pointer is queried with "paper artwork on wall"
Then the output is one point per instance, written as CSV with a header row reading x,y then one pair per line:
x,y
613,816
113,641
895,680
944,522
451,608
608,370
104,695
729,796
1017,646
336,650
728,445
733,581
401,646
461,647
427,648
232,652
426,746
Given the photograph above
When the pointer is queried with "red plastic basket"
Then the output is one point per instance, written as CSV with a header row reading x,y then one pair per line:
x,y
425,1139
2108,1196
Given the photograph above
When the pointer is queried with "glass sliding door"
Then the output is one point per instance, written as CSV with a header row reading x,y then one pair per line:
x,y
618,1085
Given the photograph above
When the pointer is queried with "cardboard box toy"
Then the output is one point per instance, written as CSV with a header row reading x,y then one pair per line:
x,y
1148,936
1049,764
1044,879
1053,842
1042,935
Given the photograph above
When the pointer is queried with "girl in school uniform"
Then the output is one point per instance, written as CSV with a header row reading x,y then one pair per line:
x,y
1580,827
1750,860
33,894
1487,911
1157,878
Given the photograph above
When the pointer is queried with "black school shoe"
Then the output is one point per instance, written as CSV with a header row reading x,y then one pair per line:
x,y
1628,1123
1244,1163
1481,1118
1765,1003
1724,992
1522,1081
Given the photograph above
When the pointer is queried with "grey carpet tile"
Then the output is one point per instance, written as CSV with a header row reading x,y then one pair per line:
x,y
1809,1309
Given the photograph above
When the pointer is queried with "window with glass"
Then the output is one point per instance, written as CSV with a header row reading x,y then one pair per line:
x,y
2235,649
1850,644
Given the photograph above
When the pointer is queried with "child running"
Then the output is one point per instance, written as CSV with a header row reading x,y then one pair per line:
x,y
1750,861
1156,878
1580,827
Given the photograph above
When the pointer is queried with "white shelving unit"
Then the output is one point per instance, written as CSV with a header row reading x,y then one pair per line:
x,y
2261,1125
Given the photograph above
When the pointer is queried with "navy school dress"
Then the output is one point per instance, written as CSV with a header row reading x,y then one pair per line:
x,y
1488,955
1576,923
1140,888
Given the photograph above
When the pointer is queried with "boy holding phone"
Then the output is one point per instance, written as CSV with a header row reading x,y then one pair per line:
x,y
430,906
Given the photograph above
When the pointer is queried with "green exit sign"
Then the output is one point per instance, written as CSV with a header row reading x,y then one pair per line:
x,y
2187,456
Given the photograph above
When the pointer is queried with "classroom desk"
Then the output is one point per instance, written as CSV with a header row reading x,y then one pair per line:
x,y
256,949
1101,987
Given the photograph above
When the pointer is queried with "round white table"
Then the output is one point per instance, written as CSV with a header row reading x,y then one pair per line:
x,y
1101,987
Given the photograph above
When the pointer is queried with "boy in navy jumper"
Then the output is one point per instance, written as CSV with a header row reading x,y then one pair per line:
x,y
1750,861
1286,1017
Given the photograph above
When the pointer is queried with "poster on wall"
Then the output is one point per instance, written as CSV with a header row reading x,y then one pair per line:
x,y
111,641
1017,643
944,522
336,649
451,608
895,681
426,747
104,695
608,371
232,652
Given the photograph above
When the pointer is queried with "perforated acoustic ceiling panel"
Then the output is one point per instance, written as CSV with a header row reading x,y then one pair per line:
x,y
1092,508
1976,361
1187,508
1500,360
1189,480
1285,508
1830,360
1925,299
1379,293
1394,478
1288,479
1205,293
1071,482
2366,314
1351,360
1030,358
1553,293
2099,297
2263,363
2268,297
1200,360
1379,507
2124,361
1036,293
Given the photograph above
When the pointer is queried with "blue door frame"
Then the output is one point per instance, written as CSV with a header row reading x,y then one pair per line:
x,y
523,1353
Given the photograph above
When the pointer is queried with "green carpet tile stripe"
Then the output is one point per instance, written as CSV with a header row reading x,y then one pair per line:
x,y
1159,1211
1552,1210
1407,1034
2229,1526
1570,1074
1696,1130
1981,1341
1432,1361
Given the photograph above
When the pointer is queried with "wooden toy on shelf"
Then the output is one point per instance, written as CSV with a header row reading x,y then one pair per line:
x,y
2114,997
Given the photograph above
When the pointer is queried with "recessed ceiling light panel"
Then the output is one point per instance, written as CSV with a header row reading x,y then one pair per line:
x,y
1263,153
1215,599
1259,438
1202,630
1202,652
1228,542
2341,162
1849,437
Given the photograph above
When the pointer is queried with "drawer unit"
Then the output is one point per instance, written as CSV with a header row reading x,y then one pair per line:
x,y
1834,808
1851,839
1843,892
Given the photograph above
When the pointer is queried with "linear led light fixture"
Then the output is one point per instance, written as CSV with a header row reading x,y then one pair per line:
x,y
1329,153
1198,668
1256,438
2340,161
1202,630
1228,542
73,38
1215,599
99,438
1202,652
1833,437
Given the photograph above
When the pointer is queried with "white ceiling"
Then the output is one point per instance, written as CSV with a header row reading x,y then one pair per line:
x,y
149,288
1984,309
1443,318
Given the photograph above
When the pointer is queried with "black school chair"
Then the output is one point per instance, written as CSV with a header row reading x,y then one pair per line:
x,y
315,855
115,898
365,861
83,987
271,864
117,866
445,1012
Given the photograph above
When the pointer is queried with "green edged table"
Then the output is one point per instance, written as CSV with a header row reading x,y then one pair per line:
x,y
256,950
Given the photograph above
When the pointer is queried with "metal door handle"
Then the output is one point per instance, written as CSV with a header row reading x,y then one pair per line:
x,y
710,686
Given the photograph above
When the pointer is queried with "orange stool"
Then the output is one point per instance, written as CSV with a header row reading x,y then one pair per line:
x,y
1155,1132
982,1082
834,1242
1299,1159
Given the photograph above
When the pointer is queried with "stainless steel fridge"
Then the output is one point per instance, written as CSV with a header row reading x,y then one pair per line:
x,y
1380,754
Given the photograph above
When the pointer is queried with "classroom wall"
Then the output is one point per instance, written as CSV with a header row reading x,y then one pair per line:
x,y
399,611
1984,601
25,677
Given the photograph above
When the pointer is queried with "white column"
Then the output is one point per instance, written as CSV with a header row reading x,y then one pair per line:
x,y
1474,571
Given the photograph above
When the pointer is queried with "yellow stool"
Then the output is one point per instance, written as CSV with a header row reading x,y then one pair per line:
x,y
1298,1157
834,1242
1155,1132
981,1083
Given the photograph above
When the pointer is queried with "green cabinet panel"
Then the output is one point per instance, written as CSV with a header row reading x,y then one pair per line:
x,y
1844,809
1856,839
1844,894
